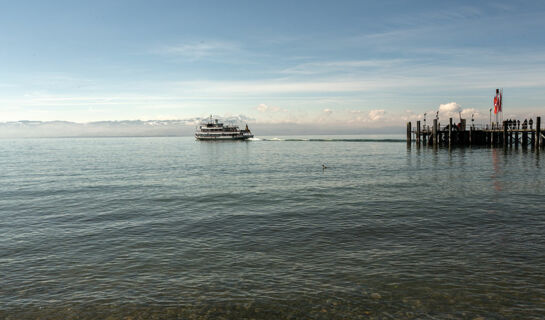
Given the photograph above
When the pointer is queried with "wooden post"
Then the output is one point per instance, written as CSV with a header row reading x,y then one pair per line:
x,y
504,142
418,133
450,133
538,132
516,139
470,135
425,136
525,139
434,133
409,133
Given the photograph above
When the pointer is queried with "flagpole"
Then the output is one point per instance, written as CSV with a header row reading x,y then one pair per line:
x,y
501,103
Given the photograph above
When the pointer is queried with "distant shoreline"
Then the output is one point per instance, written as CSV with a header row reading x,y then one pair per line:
x,y
168,128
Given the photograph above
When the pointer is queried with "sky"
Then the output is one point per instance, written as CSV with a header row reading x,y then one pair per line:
x,y
325,63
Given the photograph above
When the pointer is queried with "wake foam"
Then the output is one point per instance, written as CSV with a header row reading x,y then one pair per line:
x,y
332,140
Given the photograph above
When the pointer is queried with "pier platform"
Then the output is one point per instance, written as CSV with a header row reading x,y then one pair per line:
x,y
506,134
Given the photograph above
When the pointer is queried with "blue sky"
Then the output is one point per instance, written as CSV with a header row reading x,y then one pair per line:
x,y
353,63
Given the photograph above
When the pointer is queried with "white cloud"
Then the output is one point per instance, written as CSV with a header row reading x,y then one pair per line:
x,y
339,66
454,110
198,50
449,110
469,112
327,111
375,115
266,108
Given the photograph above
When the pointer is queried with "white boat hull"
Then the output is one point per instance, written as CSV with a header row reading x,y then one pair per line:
x,y
224,138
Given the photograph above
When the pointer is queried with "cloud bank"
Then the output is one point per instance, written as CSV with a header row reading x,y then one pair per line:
x,y
263,119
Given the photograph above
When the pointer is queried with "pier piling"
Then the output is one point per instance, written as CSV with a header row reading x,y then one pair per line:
x,y
418,133
434,133
450,133
409,132
504,138
538,132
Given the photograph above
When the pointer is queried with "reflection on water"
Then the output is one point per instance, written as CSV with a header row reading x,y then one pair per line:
x,y
497,170
171,228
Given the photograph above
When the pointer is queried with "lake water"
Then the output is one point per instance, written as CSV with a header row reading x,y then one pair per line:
x,y
172,228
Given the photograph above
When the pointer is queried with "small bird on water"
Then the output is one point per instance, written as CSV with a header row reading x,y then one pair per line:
x,y
324,167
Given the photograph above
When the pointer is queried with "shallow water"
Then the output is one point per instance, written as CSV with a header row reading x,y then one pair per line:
x,y
172,228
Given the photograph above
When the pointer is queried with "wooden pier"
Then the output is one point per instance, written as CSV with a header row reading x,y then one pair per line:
x,y
507,134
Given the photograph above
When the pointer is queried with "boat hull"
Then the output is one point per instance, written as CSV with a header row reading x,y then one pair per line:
x,y
223,138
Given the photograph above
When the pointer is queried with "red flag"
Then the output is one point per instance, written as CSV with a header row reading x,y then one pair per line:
x,y
500,102
496,100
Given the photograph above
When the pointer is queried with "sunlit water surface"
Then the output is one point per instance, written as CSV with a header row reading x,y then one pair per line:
x,y
167,228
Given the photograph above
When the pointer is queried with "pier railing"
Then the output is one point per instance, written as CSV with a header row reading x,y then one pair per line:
x,y
484,127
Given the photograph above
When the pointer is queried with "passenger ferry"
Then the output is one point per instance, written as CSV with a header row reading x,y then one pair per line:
x,y
214,130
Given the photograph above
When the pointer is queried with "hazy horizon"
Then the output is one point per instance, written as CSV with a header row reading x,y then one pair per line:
x,y
166,128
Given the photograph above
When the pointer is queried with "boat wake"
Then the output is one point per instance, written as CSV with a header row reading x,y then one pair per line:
x,y
328,140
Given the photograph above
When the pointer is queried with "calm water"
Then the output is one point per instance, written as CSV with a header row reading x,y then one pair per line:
x,y
166,228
